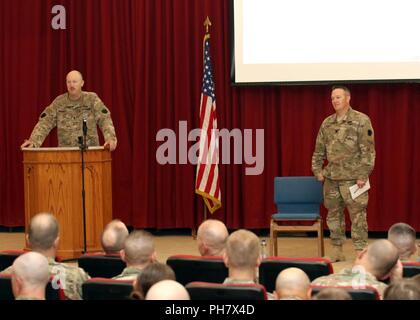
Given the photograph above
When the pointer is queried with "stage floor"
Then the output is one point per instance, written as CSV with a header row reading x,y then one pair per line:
x,y
167,245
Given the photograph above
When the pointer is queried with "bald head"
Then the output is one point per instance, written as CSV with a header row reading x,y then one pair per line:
x,y
43,232
167,290
74,74
293,282
30,274
403,236
380,257
114,236
211,237
74,81
139,248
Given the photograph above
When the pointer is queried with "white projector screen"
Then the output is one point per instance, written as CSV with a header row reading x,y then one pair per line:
x,y
326,40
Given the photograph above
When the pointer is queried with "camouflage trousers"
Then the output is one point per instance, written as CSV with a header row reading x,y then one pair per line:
x,y
336,198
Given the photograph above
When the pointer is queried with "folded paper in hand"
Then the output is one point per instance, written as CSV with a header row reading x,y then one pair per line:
x,y
355,191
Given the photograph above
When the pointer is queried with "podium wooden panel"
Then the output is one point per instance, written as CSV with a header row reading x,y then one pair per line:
x,y
53,183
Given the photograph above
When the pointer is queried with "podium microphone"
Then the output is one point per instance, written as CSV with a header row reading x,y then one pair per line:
x,y
84,127
83,148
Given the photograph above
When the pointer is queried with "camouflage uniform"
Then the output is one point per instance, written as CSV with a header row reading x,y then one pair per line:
x,y
356,277
129,273
26,298
69,278
238,281
67,115
349,147
229,280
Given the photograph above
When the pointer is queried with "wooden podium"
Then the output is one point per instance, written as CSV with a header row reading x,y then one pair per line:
x,y
53,183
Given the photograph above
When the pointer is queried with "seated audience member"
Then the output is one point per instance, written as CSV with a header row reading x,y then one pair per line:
x,y
138,253
377,262
211,238
150,275
292,284
404,289
403,236
30,276
332,294
43,237
242,257
113,237
167,290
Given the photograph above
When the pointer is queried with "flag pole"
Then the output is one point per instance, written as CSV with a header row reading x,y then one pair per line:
x,y
212,200
207,24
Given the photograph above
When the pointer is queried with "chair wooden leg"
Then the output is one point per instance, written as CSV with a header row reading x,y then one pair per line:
x,y
271,241
320,239
275,244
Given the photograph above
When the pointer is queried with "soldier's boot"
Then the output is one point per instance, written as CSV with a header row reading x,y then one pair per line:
x,y
337,254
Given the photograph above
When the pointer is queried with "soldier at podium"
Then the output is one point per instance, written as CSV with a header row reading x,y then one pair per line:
x,y
68,111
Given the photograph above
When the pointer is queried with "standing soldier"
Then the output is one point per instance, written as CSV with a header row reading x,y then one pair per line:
x,y
346,140
68,111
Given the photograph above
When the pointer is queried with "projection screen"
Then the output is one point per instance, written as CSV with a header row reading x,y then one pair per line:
x,y
325,40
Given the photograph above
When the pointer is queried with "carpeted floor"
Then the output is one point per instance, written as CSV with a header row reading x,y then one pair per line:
x,y
167,245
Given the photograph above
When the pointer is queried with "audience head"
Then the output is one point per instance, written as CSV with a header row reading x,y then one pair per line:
x,y
242,250
139,249
30,275
43,232
293,283
405,289
113,237
167,290
211,238
332,294
150,275
379,258
403,236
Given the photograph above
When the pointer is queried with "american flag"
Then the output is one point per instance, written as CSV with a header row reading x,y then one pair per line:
x,y
207,180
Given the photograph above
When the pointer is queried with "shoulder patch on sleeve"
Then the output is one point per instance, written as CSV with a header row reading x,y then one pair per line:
x,y
104,111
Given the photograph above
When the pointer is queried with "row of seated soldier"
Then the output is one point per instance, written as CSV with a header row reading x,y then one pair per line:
x,y
33,275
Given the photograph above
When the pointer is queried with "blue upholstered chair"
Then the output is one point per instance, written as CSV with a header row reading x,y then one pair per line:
x,y
298,201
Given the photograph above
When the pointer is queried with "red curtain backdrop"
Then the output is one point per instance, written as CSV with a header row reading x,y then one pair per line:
x,y
143,58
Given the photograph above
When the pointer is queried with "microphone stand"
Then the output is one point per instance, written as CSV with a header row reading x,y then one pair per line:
x,y
83,147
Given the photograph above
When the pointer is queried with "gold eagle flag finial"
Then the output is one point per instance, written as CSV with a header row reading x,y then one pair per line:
x,y
207,24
